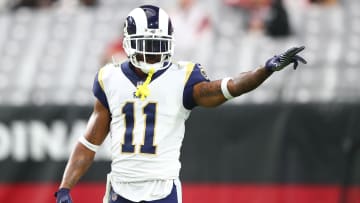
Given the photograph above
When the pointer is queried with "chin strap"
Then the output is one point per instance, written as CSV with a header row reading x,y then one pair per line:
x,y
143,89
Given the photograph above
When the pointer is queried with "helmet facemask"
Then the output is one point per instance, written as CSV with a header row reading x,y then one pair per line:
x,y
149,51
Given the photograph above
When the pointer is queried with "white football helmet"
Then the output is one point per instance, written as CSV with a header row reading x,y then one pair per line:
x,y
147,32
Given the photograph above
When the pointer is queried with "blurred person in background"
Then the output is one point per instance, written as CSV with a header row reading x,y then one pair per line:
x,y
268,16
143,104
73,4
89,3
36,4
253,12
192,21
114,52
324,2
277,22
257,11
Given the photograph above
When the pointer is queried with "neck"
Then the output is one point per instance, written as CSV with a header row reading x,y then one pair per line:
x,y
138,71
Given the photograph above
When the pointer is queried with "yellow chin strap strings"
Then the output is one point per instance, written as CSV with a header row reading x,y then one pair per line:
x,y
143,89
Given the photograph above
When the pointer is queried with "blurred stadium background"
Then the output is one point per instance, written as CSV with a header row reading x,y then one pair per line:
x,y
294,139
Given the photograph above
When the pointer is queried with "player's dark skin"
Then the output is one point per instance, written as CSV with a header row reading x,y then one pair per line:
x,y
206,94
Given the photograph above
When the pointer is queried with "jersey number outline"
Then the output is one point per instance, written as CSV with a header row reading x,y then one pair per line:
x,y
149,111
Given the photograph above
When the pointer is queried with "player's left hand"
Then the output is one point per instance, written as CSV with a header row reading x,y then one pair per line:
x,y
279,62
63,196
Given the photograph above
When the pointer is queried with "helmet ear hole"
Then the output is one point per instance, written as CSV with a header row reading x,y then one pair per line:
x,y
149,37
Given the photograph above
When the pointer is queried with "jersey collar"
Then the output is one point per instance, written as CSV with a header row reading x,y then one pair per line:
x,y
129,71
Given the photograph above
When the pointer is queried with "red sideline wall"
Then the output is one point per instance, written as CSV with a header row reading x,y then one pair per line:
x,y
192,192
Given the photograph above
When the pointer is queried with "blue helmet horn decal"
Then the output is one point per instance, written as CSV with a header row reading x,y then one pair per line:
x,y
152,15
130,25
170,28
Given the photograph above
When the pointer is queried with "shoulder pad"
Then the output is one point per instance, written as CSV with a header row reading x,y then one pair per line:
x,y
110,65
185,64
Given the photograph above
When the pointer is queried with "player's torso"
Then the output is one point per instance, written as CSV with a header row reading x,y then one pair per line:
x,y
146,134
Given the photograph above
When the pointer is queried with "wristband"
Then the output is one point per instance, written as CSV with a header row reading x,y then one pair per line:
x,y
88,145
224,88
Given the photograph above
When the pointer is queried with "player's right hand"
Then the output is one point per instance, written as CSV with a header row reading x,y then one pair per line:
x,y
63,196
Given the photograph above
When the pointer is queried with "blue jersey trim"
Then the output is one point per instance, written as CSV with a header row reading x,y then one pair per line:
x,y
99,92
128,70
195,77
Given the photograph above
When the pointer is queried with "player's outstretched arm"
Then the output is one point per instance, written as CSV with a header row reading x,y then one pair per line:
x,y
84,152
214,93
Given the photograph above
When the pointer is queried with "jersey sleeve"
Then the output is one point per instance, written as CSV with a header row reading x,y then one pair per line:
x,y
98,90
197,75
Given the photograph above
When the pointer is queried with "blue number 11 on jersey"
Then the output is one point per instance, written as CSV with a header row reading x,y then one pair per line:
x,y
150,115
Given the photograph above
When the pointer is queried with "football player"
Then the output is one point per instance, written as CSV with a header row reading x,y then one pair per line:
x,y
142,104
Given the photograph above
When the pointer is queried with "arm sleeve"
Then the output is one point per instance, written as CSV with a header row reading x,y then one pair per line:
x,y
197,75
99,92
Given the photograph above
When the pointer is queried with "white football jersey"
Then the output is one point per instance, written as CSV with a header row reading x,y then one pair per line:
x,y
146,135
